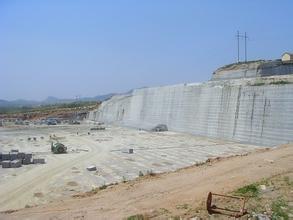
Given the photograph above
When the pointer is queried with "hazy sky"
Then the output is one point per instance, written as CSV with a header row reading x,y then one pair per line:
x,y
86,48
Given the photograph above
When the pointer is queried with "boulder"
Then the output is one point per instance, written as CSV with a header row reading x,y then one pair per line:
x,y
91,168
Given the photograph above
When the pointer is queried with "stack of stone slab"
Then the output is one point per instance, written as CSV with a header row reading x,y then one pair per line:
x,y
27,158
15,159
98,128
15,163
6,164
38,161
5,156
10,159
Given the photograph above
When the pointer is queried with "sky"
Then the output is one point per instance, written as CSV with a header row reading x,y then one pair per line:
x,y
69,48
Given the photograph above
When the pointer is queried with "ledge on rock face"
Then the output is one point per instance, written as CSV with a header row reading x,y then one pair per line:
x,y
251,69
240,66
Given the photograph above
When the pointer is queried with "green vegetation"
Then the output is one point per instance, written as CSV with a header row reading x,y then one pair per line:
x,y
44,108
249,190
164,211
288,181
94,190
183,206
270,196
257,84
137,217
279,209
104,186
235,65
280,82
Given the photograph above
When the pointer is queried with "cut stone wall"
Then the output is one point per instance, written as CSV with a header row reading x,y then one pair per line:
x,y
240,110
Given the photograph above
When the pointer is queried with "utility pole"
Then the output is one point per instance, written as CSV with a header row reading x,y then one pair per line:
x,y
239,36
245,44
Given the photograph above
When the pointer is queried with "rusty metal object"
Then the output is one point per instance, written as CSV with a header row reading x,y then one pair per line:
x,y
215,209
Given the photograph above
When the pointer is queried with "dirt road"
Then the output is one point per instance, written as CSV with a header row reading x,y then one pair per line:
x,y
165,192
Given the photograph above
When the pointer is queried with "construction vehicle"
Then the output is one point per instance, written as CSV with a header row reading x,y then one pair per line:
x,y
58,148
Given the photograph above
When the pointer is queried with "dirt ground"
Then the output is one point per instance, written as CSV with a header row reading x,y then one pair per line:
x,y
64,175
181,193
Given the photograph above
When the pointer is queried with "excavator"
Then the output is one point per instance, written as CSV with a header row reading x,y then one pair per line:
x,y
58,148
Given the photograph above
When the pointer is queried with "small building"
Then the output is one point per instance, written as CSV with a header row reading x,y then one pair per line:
x,y
287,57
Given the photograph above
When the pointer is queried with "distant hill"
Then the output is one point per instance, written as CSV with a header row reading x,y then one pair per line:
x,y
50,100
17,103
4,103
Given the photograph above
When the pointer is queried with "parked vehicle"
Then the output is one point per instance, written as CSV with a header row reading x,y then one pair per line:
x,y
51,122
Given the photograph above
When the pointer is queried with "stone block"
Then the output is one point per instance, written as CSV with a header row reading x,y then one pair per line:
x,y
38,161
6,163
98,128
13,156
15,164
28,155
128,151
27,161
20,155
5,156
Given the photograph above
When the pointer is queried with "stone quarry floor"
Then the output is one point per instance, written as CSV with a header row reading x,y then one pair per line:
x,y
65,175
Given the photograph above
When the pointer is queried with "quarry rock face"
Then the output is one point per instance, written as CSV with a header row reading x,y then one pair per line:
x,y
256,110
252,69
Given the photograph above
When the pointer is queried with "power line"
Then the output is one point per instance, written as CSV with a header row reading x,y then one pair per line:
x,y
245,44
245,37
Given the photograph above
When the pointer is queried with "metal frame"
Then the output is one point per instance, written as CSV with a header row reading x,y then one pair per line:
x,y
213,209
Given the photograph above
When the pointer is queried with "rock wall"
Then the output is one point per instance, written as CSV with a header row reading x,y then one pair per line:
x,y
253,69
245,111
